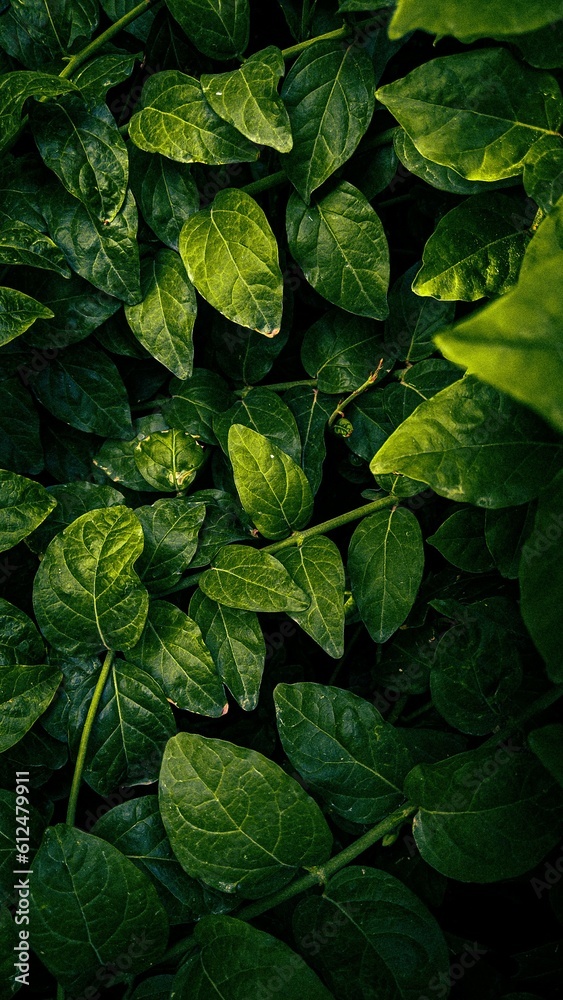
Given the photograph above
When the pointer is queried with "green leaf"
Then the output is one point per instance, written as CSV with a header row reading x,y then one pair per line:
x,y
26,691
85,150
86,595
340,244
140,27
413,320
23,505
505,532
232,953
252,580
225,521
166,193
236,643
342,749
58,25
475,250
231,256
20,244
542,47
546,744
20,188
247,98
263,411
541,578
196,401
133,723
73,500
176,120
20,641
387,943
461,540
91,906
172,650
78,309
329,96
36,826
164,320
96,75
485,815
18,312
159,987
106,255
316,567
311,410
543,172
117,458
470,21
473,444
15,88
484,133
83,387
218,28
245,355
170,530
341,351
251,843
168,460
20,444
385,563
443,178
515,342
272,488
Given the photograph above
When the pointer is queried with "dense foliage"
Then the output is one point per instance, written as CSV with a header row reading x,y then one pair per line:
x,y
281,497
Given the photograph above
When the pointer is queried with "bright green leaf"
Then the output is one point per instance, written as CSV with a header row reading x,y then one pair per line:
x,y
18,312
24,504
168,459
20,244
468,21
218,28
247,578
316,567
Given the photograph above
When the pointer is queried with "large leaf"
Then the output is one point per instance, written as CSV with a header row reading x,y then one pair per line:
x,y
473,444
387,943
236,642
83,387
90,907
237,960
316,567
15,88
106,255
58,25
340,244
20,444
21,244
487,814
343,749
272,488
475,250
86,595
516,343
482,132
176,120
263,411
172,650
251,843
25,693
231,255
85,150
170,529
18,312
23,506
164,320
246,578
132,725
473,20
443,178
543,172
247,98
541,578
385,563
329,97
218,28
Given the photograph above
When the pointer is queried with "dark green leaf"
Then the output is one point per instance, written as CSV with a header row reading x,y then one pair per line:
x,y
195,401
117,458
25,693
20,641
469,21
252,580
87,596
273,829
329,97
218,28
461,540
316,567
18,312
231,256
23,505
505,532
170,529
9,940
265,413
15,88
225,521
413,321
166,194
547,743
341,351
311,410
140,27
78,309
96,76
20,244
541,578
340,244
8,806
20,444
543,172
385,563
73,500
59,24
438,176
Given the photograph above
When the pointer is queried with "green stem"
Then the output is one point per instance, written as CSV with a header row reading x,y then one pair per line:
x,y
83,748
539,705
60,993
343,32
265,183
339,411
97,43
278,386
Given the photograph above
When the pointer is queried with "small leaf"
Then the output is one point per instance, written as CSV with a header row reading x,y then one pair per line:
x,y
247,98
263,411
20,641
247,578
196,401
340,244
438,176
273,829
96,75
385,563
20,244
170,530
461,540
316,567
168,459
23,505
91,906
311,410
18,312
164,320
25,693
341,351
218,28
176,121
172,650
235,640
272,488
86,595
413,320
231,256
328,94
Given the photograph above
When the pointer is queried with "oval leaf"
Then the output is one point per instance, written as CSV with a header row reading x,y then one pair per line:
x,y
218,28
316,567
25,693
18,312
24,505
253,580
